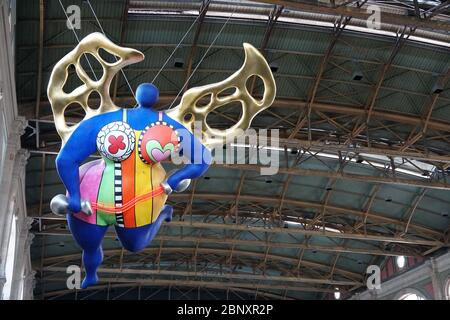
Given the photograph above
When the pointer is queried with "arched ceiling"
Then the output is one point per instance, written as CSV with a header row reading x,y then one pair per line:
x,y
363,163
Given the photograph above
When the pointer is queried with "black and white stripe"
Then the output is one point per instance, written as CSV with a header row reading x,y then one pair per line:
x,y
118,192
139,144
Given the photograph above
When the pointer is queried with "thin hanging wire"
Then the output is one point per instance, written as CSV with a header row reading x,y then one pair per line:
x,y
203,57
78,39
179,43
103,31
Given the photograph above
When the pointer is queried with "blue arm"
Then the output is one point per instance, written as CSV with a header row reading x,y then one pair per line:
x,y
81,144
199,156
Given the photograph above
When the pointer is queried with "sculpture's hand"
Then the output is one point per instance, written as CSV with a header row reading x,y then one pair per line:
x,y
182,186
166,187
74,204
61,205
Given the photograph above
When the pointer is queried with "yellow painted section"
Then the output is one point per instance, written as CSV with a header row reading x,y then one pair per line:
x,y
148,178
143,185
158,175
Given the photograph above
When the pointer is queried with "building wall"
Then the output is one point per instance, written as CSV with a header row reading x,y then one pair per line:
x,y
390,268
12,168
429,278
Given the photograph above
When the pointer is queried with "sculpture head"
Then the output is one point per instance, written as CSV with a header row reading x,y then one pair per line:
x,y
146,95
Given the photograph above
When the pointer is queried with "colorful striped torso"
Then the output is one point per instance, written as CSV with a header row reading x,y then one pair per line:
x,y
129,169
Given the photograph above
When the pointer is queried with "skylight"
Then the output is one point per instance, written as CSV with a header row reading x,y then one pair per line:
x,y
412,296
413,168
290,20
400,261
315,227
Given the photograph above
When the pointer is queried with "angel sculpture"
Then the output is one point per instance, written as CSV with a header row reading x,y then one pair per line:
x,y
128,186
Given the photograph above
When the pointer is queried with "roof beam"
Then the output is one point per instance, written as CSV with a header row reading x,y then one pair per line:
x,y
416,8
123,27
195,284
39,67
330,147
255,243
368,206
238,193
299,53
436,10
203,283
401,39
362,14
426,116
346,176
363,237
314,205
203,9
62,293
57,260
40,55
293,231
33,207
338,29
271,22
228,275
273,18
335,147
324,107
412,210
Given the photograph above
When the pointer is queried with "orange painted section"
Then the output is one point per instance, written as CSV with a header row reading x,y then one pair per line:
x,y
128,189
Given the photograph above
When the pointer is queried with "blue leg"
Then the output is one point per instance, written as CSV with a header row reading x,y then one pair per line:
x,y
89,238
136,239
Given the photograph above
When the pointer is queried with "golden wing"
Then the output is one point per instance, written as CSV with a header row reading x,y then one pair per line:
x,y
189,109
59,100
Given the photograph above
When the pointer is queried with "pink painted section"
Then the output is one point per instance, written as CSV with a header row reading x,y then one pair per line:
x,y
85,167
90,178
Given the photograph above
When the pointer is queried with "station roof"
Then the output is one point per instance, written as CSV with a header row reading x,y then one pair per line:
x,y
363,118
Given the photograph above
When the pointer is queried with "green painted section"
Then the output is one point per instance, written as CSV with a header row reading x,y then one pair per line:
x,y
106,194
